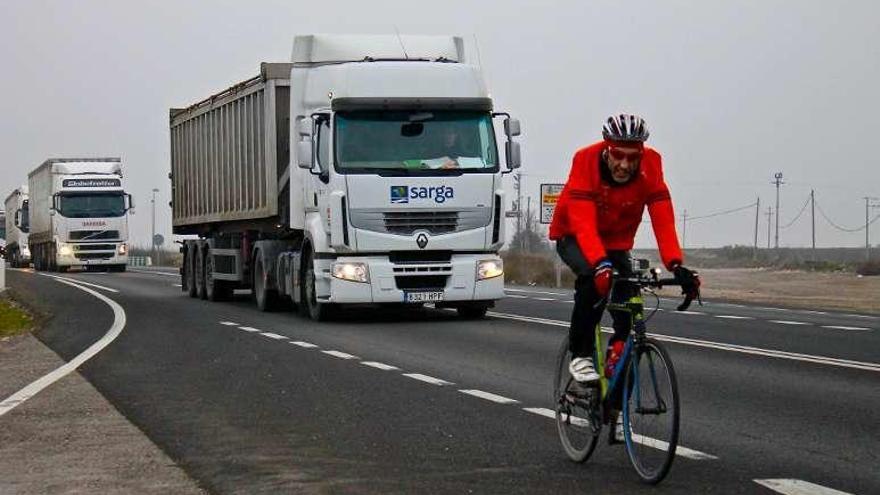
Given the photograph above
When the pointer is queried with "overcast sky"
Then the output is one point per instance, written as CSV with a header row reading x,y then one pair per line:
x,y
733,91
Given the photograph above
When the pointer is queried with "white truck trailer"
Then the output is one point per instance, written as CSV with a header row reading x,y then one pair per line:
x,y
17,252
79,214
365,171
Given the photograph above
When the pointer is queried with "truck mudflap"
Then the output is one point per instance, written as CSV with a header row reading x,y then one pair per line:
x,y
414,283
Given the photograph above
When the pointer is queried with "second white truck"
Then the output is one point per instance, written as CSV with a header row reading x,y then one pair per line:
x,y
17,226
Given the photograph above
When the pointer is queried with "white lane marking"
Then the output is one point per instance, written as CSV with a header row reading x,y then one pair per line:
x,y
150,272
689,313
427,379
567,302
536,292
811,312
789,322
35,387
229,323
340,354
273,336
862,316
647,441
499,399
250,329
794,356
734,317
77,281
176,285
842,327
514,296
304,345
544,299
381,366
798,487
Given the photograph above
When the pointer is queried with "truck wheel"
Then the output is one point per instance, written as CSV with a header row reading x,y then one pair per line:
x,y
191,270
472,312
200,274
215,290
266,299
315,310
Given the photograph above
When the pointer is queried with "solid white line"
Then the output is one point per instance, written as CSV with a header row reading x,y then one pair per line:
x,y
811,312
798,487
273,336
514,296
229,323
689,313
305,345
250,329
149,272
862,316
647,441
536,292
427,379
35,387
500,399
381,366
544,299
788,322
734,317
176,285
794,356
340,354
74,280
841,327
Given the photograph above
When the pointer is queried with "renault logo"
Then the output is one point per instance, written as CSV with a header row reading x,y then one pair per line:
x,y
422,240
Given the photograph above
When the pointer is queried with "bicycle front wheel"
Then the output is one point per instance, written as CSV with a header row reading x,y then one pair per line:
x,y
576,411
650,412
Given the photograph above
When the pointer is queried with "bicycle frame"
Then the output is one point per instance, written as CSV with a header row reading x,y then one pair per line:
x,y
635,307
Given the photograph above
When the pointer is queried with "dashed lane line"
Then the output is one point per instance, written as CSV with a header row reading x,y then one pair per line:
x,y
537,292
273,336
843,327
499,399
229,323
250,329
513,296
304,345
427,379
647,441
734,317
798,487
380,366
544,299
789,322
152,272
340,354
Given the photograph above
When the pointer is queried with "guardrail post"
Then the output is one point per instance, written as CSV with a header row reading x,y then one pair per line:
x,y
2,274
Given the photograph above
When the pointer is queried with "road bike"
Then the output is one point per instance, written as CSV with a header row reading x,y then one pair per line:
x,y
642,389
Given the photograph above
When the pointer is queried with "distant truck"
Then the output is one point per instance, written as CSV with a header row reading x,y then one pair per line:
x,y
17,253
364,172
79,214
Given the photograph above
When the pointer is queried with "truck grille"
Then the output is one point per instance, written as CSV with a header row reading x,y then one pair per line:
x,y
94,247
78,235
93,256
407,221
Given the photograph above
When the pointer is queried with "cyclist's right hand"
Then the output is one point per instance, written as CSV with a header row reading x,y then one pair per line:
x,y
602,277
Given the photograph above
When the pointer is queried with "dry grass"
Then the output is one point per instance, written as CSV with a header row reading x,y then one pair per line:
x,y
13,319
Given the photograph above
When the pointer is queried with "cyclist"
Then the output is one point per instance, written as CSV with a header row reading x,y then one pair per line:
x,y
594,227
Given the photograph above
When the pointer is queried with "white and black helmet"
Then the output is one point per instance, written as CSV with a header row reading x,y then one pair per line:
x,y
625,127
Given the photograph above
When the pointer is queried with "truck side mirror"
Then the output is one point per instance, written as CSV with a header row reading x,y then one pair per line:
x,y
513,154
511,127
304,154
130,204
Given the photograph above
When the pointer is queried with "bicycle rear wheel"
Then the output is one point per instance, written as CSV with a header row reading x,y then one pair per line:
x,y
576,411
650,412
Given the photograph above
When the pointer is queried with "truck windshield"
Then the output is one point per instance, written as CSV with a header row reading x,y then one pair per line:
x,y
2,227
424,142
25,217
92,205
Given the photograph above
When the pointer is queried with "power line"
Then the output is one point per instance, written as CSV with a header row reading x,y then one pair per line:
x,y
724,212
838,227
796,217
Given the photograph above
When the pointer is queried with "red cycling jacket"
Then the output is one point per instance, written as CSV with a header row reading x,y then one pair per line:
x,y
604,216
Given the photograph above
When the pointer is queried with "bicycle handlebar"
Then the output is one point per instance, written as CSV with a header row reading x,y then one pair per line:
x,y
659,283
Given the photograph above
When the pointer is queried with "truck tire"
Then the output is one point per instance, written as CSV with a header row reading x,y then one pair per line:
x,y
310,306
266,299
191,270
215,290
475,312
201,293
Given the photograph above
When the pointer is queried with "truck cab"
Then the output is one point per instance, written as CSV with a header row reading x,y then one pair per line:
x,y
17,226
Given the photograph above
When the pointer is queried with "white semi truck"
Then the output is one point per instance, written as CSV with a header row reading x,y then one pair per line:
x,y
17,226
79,214
364,171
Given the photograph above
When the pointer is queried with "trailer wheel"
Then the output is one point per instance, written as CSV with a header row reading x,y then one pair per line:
x,y
215,290
266,299
315,310
200,274
191,270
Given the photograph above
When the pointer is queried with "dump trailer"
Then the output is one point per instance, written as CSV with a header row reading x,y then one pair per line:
x,y
365,171
78,214
17,252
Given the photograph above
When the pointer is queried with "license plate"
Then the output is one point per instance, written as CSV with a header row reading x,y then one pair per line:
x,y
422,297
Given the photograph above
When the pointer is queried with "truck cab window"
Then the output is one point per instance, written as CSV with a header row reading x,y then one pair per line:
x,y
323,144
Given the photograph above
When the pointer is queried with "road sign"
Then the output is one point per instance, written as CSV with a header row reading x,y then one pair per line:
x,y
549,196
158,240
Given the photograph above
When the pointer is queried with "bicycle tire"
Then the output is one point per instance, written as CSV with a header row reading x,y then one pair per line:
x,y
577,434
651,391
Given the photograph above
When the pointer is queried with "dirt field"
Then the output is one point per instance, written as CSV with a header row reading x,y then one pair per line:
x,y
813,290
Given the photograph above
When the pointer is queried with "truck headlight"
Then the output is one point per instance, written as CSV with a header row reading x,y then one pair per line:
x,y
65,250
489,269
25,252
122,249
351,271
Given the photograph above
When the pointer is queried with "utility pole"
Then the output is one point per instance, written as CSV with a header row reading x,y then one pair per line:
x,y
684,229
778,181
757,215
528,225
517,184
813,216
769,221
868,207
153,251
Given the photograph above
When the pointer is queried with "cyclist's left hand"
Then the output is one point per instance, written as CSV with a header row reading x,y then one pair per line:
x,y
689,280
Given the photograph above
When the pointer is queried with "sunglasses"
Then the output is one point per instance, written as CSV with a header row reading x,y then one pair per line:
x,y
619,154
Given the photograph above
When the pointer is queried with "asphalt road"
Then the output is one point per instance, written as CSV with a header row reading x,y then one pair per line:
x,y
250,402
